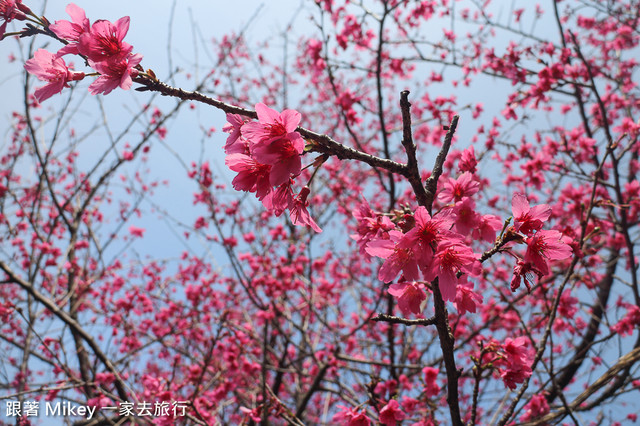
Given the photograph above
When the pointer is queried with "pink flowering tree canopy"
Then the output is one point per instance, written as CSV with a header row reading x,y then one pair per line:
x,y
418,213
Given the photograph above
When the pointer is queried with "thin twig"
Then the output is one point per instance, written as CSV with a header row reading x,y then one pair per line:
x,y
432,183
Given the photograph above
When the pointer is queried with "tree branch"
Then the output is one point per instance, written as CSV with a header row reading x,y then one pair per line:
x,y
73,324
413,171
432,183
623,362
399,320
322,143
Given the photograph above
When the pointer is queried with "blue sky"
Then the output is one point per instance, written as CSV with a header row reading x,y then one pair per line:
x,y
149,34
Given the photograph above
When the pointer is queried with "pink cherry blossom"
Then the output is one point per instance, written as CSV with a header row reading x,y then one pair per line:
x,y
409,295
116,72
350,416
451,257
524,271
466,217
414,250
629,323
528,219
71,30
487,228
544,246
397,258
516,352
537,407
286,315
541,247
425,235
513,377
431,387
370,226
10,10
468,162
391,414
136,231
428,230
272,125
457,189
105,40
280,199
298,211
466,299
48,67
253,414
252,176
235,142
516,361
274,141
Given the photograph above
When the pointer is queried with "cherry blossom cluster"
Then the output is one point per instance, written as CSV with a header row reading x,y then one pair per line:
x,y
420,247
12,10
391,412
190,322
101,44
423,248
542,246
266,156
511,360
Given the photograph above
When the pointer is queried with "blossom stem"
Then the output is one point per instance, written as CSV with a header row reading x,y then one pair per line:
x,y
321,161
36,21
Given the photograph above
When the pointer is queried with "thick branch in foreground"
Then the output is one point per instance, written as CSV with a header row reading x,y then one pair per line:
x,y
321,143
413,172
447,346
441,316
406,321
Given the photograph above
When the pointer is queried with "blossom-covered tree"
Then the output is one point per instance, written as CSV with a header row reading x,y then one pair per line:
x,y
436,156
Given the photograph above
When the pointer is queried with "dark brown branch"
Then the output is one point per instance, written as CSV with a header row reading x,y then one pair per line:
x,y
399,320
542,344
413,172
432,183
447,345
604,290
326,145
380,99
391,334
621,378
322,143
312,389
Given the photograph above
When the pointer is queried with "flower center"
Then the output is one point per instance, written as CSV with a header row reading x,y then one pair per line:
x,y
276,130
109,46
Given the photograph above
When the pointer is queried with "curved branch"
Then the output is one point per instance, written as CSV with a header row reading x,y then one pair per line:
x,y
73,324
624,362
321,143
592,330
